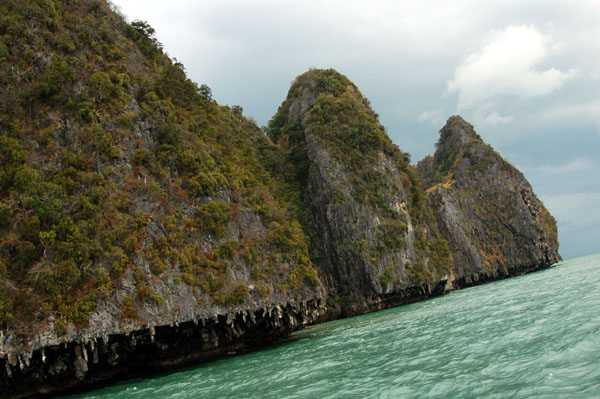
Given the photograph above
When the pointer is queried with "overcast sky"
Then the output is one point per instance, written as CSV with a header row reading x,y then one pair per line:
x,y
526,74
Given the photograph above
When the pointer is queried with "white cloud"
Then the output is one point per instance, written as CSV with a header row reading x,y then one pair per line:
x,y
578,165
582,111
495,119
436,117
506,67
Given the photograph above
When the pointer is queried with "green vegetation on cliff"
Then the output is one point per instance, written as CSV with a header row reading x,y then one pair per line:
x,y
113,163
143,223
339,158
124,185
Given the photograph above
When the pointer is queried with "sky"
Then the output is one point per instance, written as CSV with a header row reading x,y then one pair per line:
x,y
525,74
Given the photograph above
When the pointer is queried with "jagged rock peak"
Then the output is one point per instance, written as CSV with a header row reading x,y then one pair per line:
x,y
329,106
493,219
321,81
457,130
458,147
307,87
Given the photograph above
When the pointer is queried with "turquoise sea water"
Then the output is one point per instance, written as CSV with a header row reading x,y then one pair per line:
x,y
533,336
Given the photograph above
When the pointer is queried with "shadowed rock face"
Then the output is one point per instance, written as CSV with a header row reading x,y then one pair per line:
x,y
72,365
492,218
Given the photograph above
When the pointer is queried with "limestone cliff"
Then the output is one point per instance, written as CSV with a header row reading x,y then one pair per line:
x,y
380,234
372,228
493,221
135,211
144,226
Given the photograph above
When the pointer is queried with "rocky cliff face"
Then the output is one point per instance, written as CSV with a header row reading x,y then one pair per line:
x,y
144,225
491,217
379,230
130,201
371,227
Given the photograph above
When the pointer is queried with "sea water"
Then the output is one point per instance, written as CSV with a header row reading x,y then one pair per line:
x,y
533,336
